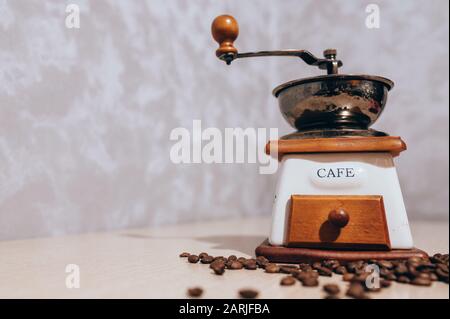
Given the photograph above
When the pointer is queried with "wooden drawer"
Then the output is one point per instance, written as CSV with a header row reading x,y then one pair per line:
x,y
338,221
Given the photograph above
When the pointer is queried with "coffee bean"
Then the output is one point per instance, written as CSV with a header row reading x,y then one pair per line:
x,y
352,266
287,281
401,270
207,259
403,279
434,277
288,269
305,267
185,254
340,270
385,264
325,272
221,258
360,277
193,259
242,260
442,267
202,255
217,262
391,277
310,282
248,293
307,274
385,283
442,275
232,258
331,289
421,281
235,265
218,267
262,261
195,292
272,268
331,264
357,291
250,264
384,272
348,277
317,265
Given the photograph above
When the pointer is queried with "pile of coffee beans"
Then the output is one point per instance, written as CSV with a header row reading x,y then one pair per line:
x,y
415,271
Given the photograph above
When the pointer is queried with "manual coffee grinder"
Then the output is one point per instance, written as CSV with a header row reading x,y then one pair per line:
x,y
338,194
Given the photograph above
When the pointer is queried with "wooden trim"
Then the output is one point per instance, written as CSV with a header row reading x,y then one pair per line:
x,y
392,144
282,254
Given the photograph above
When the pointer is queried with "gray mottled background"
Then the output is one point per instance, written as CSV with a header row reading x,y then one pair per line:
x,y
85,114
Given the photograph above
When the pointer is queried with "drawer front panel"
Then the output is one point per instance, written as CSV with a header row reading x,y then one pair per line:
x,y
338,221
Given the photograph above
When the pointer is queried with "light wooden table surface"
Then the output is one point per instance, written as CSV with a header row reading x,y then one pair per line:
x,y
144,263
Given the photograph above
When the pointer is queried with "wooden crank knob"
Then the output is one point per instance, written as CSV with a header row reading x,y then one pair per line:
x,y
225,30
338,218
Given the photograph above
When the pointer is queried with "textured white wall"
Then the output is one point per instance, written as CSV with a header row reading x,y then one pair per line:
x,y
85,114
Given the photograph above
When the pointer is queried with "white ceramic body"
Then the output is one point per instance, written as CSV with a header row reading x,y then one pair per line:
x,y
359,174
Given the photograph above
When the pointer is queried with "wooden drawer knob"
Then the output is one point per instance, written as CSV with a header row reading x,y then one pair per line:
x,y
338,217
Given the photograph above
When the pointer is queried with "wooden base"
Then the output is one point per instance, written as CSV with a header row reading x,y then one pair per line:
x,y
282,254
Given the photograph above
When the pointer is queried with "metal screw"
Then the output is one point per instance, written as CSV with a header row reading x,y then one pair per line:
x,y
330,54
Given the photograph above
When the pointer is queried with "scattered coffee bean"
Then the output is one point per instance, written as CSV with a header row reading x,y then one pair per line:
x,y
307,274
310,282
356,290
415,271
288,269
442,267
325,272
385,283
331,289
361,278
403,279
385,264
235,265
401,270
305,267
207,259
287,281
421,281
348,277
434,277
195,292
202,255
391,277
340,270
317,265
262,261
250,264
272,268
193,259
218,267
331,264
248,293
